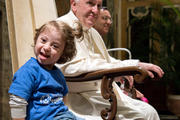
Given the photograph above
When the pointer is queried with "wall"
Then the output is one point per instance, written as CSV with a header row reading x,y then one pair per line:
x,y
63,6
5,64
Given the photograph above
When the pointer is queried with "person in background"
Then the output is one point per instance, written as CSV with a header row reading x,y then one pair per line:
x,y
39,89
103,22
103,25
84,98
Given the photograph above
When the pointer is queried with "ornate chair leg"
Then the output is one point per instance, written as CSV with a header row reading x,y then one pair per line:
x,y
108,94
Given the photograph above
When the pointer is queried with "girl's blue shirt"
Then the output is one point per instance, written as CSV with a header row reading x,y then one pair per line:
x,y
43,90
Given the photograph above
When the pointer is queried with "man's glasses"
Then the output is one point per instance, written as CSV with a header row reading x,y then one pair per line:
x,y
106,18
104,8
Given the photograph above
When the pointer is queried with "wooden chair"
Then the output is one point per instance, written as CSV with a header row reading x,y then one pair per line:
x,y
107,77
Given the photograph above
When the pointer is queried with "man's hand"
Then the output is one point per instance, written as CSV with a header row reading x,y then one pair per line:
x,y
152,68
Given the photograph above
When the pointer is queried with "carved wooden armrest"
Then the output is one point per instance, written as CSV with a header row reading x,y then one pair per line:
x,y
107,77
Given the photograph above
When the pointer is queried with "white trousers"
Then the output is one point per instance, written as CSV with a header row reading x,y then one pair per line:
x,y
89,104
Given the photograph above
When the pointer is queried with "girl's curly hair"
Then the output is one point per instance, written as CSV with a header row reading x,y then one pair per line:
x,y
68,34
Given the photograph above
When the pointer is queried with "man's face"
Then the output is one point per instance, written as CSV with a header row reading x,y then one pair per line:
x,y
87,11
103,22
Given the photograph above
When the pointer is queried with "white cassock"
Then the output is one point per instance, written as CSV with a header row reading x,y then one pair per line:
x,y
84,98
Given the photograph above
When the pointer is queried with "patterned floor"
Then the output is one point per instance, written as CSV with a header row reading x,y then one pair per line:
x,y
168,117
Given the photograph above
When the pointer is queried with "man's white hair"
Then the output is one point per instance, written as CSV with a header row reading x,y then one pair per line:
x,y
79,0
76,1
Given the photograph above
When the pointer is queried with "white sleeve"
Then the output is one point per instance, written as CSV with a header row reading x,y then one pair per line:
x,y
77,67
17,106
92,55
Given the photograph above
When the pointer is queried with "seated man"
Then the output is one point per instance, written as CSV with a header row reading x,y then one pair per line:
x,y
85,98
103,25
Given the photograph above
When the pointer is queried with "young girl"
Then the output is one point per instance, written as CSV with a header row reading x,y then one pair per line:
x,y
39,88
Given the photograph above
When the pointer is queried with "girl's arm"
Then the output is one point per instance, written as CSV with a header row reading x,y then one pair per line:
x,y
18,118
65,100
18,107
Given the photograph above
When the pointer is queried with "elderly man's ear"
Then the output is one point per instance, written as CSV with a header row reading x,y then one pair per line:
x,y
71,1
73,5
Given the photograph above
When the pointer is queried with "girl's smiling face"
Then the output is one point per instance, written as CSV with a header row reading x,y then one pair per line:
x,y
49,47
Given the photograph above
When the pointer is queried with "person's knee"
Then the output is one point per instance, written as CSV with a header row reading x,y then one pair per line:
x,y
152,113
